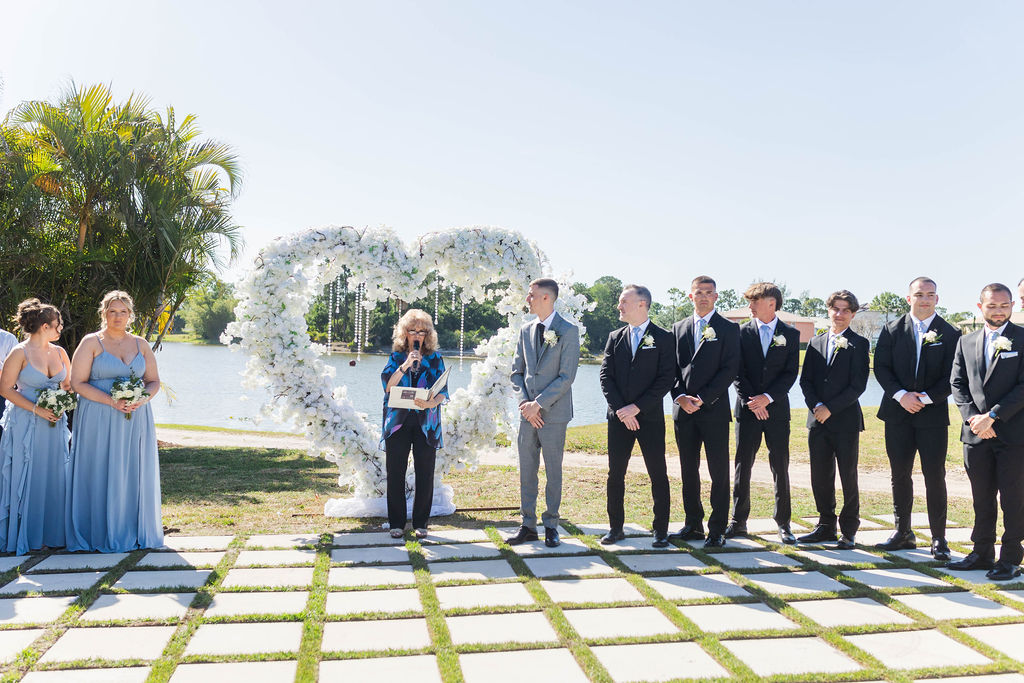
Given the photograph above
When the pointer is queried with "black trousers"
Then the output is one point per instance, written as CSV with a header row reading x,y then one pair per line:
x,y
827,450
995,467
902,441
396,449
714,435
651,436
3,403
748,440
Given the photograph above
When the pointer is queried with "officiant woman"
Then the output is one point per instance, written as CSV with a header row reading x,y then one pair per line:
x,y
414,362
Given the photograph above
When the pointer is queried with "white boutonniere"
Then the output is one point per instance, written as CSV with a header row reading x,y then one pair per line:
x,y
647,342
842,342
709,334
550,338
1002,344
931,337
778,340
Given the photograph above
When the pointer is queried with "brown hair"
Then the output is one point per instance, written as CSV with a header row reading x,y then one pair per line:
x,y
33,314
764,290
843,295
548,284
109,298
414,315
922,279
703,280
995,287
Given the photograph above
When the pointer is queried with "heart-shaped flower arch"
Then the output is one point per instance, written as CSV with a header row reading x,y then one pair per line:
x,y
270,323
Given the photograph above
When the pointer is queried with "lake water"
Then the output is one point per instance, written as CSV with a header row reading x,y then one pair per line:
x,y
207,383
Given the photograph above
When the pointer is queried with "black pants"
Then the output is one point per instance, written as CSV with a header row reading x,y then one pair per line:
x,y
396,449
3,403
651,436
690,434
902,440
827,449
995,467
748,441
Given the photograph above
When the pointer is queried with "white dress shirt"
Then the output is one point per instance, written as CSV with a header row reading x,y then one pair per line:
x,y
7,343
919,339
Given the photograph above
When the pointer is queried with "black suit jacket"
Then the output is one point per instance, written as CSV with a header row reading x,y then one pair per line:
x,y
643,379
895,358
706,370
838,384
999,389
772,374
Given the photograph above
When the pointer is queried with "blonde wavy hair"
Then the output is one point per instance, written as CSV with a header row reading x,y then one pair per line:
x,y
109,298
406,322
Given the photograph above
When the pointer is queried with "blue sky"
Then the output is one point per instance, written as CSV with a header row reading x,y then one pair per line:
x,y
825,145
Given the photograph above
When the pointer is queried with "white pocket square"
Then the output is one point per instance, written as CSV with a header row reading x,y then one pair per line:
x,y
1008,354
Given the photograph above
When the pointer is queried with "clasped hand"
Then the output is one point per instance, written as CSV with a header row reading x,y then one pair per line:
x,y
983,426
689,404
627,415
123,406
759,406
530,410
822,413
911,402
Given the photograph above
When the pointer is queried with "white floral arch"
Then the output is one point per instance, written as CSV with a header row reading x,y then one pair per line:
x,y
270,324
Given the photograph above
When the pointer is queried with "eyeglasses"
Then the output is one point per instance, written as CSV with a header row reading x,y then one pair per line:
x,y
418,333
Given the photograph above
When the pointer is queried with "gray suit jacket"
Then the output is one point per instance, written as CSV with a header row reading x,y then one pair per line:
x,y
545,375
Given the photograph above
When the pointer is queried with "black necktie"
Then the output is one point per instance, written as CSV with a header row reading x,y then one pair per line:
x,y
540,336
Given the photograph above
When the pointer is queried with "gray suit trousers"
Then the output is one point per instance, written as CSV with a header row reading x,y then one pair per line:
x,y
549,440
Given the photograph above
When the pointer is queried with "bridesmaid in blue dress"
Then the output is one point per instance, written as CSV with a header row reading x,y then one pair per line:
x,y
113,502
414,362
33,452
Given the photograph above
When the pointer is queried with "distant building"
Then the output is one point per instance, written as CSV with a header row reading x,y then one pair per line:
x,y
972,324
804,325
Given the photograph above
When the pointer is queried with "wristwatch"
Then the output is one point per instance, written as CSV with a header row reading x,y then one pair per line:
x,y
992,414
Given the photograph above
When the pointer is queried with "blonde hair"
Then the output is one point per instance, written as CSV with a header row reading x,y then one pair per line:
x,y
109,298
414,315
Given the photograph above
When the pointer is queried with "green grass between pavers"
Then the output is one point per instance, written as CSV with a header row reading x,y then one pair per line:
x,y
247,491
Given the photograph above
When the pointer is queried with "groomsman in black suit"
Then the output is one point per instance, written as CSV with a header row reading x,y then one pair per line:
x,y
988,387
835,375
769,363
913,361
638,369
707,359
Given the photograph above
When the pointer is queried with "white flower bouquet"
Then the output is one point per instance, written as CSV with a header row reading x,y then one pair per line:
x,y
56,400
131,389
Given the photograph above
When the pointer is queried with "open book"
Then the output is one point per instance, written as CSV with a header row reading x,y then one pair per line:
x,y
402,397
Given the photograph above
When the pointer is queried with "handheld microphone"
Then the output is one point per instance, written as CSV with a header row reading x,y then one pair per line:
x,y
416,363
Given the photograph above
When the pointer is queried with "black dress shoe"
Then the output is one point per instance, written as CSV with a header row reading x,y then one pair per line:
x,y
715,542
551,537
821,534
688,533
940,549
660,540
786,536
735,529
611,537
846,543
972,561
524,535
900,540
1003,571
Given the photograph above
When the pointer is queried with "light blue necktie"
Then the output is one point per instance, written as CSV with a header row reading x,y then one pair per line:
x,y
766,339
919,327
636,339
701,324
991,351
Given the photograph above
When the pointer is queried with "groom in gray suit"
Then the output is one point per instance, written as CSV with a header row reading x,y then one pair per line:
x,y
543,370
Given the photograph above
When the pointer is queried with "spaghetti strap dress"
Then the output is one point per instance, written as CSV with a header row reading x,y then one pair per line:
x,y
113,502
33,459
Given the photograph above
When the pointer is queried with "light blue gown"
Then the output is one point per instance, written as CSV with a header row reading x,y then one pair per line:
x,y
113,502
33,460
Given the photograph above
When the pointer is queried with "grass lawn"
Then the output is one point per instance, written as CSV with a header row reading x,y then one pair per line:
x,y
247,490
594,439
